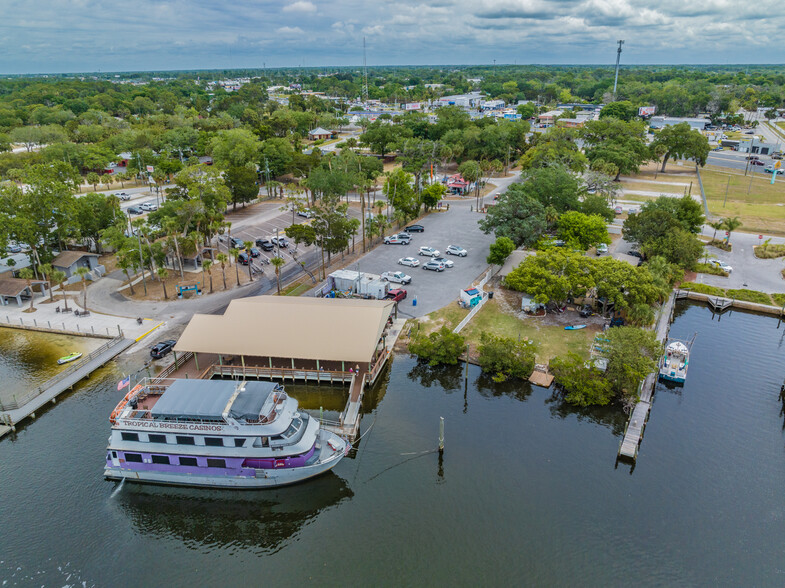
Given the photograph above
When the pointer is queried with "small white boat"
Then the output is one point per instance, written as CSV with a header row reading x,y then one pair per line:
x,y
69,358
675,361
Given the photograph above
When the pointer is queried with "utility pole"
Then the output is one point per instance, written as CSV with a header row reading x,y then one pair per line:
x,y
618,57
365,74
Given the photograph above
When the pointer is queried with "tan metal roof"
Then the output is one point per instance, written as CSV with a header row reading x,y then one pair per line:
x,y
301,328
68,258
15,286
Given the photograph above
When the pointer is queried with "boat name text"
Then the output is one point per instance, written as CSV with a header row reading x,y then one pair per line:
x,y
173,426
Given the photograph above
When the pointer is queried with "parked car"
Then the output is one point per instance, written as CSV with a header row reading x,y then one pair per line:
x,y
255,252
410,261
18,249
243,258
434,265
428,251
149,206
415,229
618,210
238,243
602,248
306,212
637,254
721,264
162,348
456,250
265,244
398,277
756,162
720,148
445,261
397,294
776,155
124,196
134,210
769,169
280,241
400,239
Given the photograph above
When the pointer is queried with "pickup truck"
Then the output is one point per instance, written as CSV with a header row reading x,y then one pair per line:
x,y
397,277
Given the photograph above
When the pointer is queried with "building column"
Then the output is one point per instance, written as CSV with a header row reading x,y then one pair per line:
x,y
196,360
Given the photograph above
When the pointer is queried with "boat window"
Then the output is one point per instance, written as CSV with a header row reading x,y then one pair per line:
x,y
185,440
216,463
188,461
163,459
293,428
114,454
135,457
214,441
239,442
130,436
154,438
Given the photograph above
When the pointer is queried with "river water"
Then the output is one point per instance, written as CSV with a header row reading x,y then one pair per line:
x,y
527,491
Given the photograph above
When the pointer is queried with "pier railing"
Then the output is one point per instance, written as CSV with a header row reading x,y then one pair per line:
x,y
235,371
18,402
174,366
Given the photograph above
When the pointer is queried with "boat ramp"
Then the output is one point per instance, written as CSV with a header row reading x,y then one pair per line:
x,y
20,408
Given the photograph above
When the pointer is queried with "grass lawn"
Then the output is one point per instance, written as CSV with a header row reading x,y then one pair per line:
x,y
295,289
449,316
760,210
551,340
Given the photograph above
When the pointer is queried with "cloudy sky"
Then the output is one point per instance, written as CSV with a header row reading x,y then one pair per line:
x,y
90,35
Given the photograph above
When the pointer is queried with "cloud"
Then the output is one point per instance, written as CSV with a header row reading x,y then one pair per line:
x,y
300,6
288,31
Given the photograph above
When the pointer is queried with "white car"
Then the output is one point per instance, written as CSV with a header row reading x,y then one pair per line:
x,y
444,261
149,206
410,261
602,248
456,250
721,264
124,196
398,277
305,212
428,251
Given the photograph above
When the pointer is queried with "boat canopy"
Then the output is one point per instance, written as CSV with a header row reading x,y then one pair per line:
x,y
207,400
677,347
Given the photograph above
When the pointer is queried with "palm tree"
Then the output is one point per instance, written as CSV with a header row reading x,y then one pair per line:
x,y
207,265
27,274
234,253
93,179
163,273
222,258
277,263
248,245
720,224
82,273
58,277
731,224
125,263
46,270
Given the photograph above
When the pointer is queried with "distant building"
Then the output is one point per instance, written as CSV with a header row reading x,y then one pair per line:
x,y
570,123
755,145
320,133
660,122
547,118
69,261
470,100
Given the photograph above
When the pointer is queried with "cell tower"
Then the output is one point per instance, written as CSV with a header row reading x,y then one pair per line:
x,y
365,75
618,57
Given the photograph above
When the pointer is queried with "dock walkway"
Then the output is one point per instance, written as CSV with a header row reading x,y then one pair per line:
x,y
633,434
18,409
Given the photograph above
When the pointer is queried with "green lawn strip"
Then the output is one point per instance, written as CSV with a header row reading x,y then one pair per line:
x,y
551,341
296,289
703,289
707,268
779,299
749,296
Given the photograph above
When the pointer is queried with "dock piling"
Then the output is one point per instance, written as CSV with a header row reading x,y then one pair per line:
x,y
441,434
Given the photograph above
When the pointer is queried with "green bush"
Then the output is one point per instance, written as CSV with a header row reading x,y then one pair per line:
x,y
440,347
767,251
708,268
749,296
703,289
506,358
720,245
779,299
584,386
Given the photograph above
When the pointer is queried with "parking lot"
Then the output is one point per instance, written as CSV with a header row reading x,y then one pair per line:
x,y
432,289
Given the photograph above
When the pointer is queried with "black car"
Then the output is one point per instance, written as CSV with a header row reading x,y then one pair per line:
x,y
237,243
244,258
255,252
637,254
415,229
162,348
134,210
265,244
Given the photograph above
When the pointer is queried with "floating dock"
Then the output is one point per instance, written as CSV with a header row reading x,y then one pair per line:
x,y
19,409
633,434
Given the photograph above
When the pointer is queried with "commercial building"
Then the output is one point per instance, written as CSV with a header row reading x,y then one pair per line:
x,y
660,122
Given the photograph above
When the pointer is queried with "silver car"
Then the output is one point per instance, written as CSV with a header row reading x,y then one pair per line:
x,y
456,250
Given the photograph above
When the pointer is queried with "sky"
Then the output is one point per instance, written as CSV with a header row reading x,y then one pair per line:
x,y
52,36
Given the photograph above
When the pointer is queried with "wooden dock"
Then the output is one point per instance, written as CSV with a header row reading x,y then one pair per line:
x,y
633,433
19,409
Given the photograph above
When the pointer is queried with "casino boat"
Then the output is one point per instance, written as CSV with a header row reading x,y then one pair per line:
x,y
215,433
